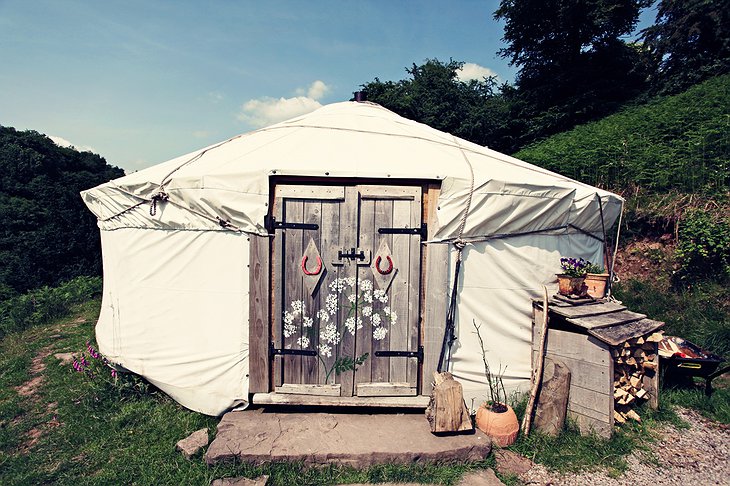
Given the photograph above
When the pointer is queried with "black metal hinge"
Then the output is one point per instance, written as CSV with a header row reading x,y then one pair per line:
x,y
402,354
271,224
422,231
273,351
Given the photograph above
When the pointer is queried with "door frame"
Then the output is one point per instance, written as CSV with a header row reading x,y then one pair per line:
x,y
433,289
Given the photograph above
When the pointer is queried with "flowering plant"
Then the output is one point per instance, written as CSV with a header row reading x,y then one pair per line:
x,y
104,377
574,267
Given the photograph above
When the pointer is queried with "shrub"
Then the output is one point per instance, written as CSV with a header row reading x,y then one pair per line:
x,y
703,250
42,305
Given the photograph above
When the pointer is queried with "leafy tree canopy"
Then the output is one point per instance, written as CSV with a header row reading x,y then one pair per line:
x,y
48,236
434,95
690,42
573,65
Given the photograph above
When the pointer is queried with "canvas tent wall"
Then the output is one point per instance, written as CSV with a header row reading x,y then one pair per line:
x,y
176,242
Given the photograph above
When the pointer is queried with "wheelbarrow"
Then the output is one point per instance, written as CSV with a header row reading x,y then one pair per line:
x,y
682,359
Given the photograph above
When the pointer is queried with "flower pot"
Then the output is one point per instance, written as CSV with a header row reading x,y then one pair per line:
x,y
568,285
502,428
597,283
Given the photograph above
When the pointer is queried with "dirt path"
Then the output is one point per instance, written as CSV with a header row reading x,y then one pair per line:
x,y
698,455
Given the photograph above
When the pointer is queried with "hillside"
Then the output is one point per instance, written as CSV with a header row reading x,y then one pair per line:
x,y
677,143
48,236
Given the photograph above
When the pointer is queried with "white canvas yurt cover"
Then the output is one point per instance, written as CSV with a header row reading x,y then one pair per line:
x,y
176,238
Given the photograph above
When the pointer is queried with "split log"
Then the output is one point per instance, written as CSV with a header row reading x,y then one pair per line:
x,y
552,404
446,411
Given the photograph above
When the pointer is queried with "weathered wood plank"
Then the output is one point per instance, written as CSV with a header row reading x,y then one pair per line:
x,y
575,311
364,337
309,389
383,217
303,191
330,243
588,375
606,320
258,315
435,293
292,240
399,293
576,346
348,239
376,389
389,192
310,364
341,401
414,290
277,267
600,403
618,334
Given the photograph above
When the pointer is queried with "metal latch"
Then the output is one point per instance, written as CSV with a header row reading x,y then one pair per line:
x,y
361,257
402,354
273,351
271,224
422,231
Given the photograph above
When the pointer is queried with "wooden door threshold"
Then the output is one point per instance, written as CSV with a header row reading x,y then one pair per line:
x,y
383,402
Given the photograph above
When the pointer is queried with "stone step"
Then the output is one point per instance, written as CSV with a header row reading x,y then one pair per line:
x,y
354,439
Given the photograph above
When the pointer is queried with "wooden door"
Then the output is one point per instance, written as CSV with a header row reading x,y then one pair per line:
x,y
346,289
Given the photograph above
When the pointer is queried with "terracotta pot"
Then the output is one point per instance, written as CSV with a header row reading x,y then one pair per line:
x,y
570,285
597,283
502,428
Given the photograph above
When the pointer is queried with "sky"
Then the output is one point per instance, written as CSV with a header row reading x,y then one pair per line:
x,y
141,82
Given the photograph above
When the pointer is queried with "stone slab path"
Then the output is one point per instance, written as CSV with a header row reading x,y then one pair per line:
x,y
358,440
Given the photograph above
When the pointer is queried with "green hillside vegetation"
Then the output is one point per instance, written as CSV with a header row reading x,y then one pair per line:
x,y
677,143
48,236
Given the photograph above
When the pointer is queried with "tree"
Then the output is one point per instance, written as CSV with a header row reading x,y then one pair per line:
x,y
434,95
573,65
47,235
690,42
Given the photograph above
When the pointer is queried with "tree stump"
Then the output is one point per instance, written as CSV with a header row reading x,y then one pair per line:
x,y
446,411
552,403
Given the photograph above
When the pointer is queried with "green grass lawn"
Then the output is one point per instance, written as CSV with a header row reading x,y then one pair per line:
x,y
65,428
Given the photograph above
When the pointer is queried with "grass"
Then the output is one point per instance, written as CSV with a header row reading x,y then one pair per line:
x,y
89,433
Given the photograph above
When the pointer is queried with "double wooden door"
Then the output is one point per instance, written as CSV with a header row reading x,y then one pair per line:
x,y
347,273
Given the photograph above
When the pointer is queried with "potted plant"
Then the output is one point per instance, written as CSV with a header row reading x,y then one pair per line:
x,y
596,281
571,280
495,417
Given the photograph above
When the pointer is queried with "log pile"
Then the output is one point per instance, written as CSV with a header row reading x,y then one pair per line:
x,y
636,362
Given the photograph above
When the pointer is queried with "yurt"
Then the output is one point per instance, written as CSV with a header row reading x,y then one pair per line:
x,y
337,258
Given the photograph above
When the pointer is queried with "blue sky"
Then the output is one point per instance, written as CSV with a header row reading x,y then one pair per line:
x,y
140,82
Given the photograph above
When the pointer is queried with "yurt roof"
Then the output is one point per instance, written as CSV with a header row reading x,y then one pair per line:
x,y
230,181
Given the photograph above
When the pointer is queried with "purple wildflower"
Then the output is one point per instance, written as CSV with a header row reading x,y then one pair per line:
x,y
78,366
114,373
93,352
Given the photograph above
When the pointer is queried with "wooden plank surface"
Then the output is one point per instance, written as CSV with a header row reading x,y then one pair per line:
x,y
606,320
303,191
418,401
576,346
399,293
277,294
588,425
618,334
348,239
310,364
309,389
435,295
258,315
376,389
593,376
383,216
414,290
364,337
574,311
293,289
330,243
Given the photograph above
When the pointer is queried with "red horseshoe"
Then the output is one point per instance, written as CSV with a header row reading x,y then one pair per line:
x,y
316,271
387,270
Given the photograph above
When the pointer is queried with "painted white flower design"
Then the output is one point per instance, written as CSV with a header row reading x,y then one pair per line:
x,y
325,350
303,341
379,333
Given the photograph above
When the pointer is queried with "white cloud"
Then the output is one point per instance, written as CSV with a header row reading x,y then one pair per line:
x,y
266,111
62,142
474,71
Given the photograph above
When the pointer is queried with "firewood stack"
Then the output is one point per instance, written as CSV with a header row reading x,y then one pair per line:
x,y
636,362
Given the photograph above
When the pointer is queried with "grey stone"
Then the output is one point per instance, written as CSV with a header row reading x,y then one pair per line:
x,y
509,462
484,477
193,443
259,481
357,440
